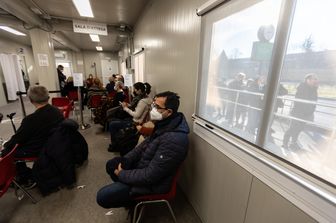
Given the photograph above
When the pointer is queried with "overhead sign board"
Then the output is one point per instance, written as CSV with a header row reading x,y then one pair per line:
x,y
89,27
261,51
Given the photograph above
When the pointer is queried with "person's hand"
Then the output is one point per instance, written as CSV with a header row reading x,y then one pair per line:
x,y
124,104
138,127
117,171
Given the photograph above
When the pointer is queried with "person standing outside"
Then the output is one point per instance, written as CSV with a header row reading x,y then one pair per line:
x,y
303,110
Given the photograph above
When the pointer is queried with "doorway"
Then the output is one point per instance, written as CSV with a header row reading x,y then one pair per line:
x,y
139,67
109,67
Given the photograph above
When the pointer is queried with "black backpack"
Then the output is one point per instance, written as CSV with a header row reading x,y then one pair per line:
x,y
125,140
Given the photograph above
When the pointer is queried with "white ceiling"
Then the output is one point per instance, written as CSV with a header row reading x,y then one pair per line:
x,y
115,13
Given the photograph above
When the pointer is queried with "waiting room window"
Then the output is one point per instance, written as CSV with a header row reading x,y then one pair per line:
x,y
236,67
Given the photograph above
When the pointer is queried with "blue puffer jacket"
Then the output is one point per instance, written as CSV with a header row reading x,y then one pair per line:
x,y
153,164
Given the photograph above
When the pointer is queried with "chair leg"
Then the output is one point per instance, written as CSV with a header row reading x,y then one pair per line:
x,y
170,209
137,219
135,212
140,214
24,191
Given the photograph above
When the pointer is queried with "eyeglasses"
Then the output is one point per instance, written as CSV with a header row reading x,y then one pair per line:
x,y
157,106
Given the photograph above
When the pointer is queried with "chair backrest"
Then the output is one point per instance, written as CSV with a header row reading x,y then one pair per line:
x,y
60,101
73,95
8,171
95,101
168,196
64,104
111,94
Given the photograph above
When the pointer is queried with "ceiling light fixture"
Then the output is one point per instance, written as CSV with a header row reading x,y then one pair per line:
x,y
11,30
83,7
94,38
99,48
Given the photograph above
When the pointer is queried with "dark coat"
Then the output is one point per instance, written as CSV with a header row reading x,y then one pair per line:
x,y
35,130
152,165
65,149
305,110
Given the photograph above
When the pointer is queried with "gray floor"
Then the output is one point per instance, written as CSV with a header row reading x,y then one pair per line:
x,y
79,205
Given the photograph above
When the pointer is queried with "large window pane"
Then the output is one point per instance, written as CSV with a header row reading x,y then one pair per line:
x,y
235,72
303,127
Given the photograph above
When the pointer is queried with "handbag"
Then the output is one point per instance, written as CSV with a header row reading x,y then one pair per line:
x,y
126,139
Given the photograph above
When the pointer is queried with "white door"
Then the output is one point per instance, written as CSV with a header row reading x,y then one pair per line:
x,y
109,67
139,67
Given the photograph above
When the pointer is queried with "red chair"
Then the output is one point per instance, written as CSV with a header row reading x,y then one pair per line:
x,y
63,104
111,94
8,173
94,102
73,95
156,198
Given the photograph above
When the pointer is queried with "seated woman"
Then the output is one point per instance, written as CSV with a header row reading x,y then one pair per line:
x,y
110,85
101,111
69,86
138,115
96,89
89,81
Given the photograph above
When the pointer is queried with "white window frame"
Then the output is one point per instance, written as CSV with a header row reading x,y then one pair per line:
x,y
306,192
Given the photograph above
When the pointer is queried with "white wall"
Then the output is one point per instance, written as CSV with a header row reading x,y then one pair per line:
x,y
82,61
219,189
91,57
169,31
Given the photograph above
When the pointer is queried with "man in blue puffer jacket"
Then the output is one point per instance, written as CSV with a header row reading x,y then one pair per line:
x,y
151,166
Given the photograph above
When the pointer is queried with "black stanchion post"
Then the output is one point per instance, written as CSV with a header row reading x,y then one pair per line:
x,y
82,124
19,93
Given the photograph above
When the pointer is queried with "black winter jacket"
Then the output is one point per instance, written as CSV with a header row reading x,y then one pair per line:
x,y
152,165
302,109
56,164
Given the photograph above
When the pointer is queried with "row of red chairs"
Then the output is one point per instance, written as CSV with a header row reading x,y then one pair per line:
x,y
66,104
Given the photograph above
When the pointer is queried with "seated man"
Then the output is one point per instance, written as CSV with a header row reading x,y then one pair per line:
x,y
150,167
34,130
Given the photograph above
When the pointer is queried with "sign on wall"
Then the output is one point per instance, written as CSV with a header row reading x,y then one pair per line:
x,y
128,80
43,59
89,27
78,79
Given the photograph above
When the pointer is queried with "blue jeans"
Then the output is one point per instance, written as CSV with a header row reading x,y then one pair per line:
x,y
114,195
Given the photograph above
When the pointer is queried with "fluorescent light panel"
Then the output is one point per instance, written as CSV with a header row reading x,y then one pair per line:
x,y
14,31
94,38
83,7
99,48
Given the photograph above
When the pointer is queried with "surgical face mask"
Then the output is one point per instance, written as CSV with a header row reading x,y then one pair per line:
x,y
155,115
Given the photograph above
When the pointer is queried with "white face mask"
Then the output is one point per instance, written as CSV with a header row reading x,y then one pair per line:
x,y
155,115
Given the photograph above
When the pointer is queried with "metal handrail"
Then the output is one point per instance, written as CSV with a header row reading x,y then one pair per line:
x,y
291,99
